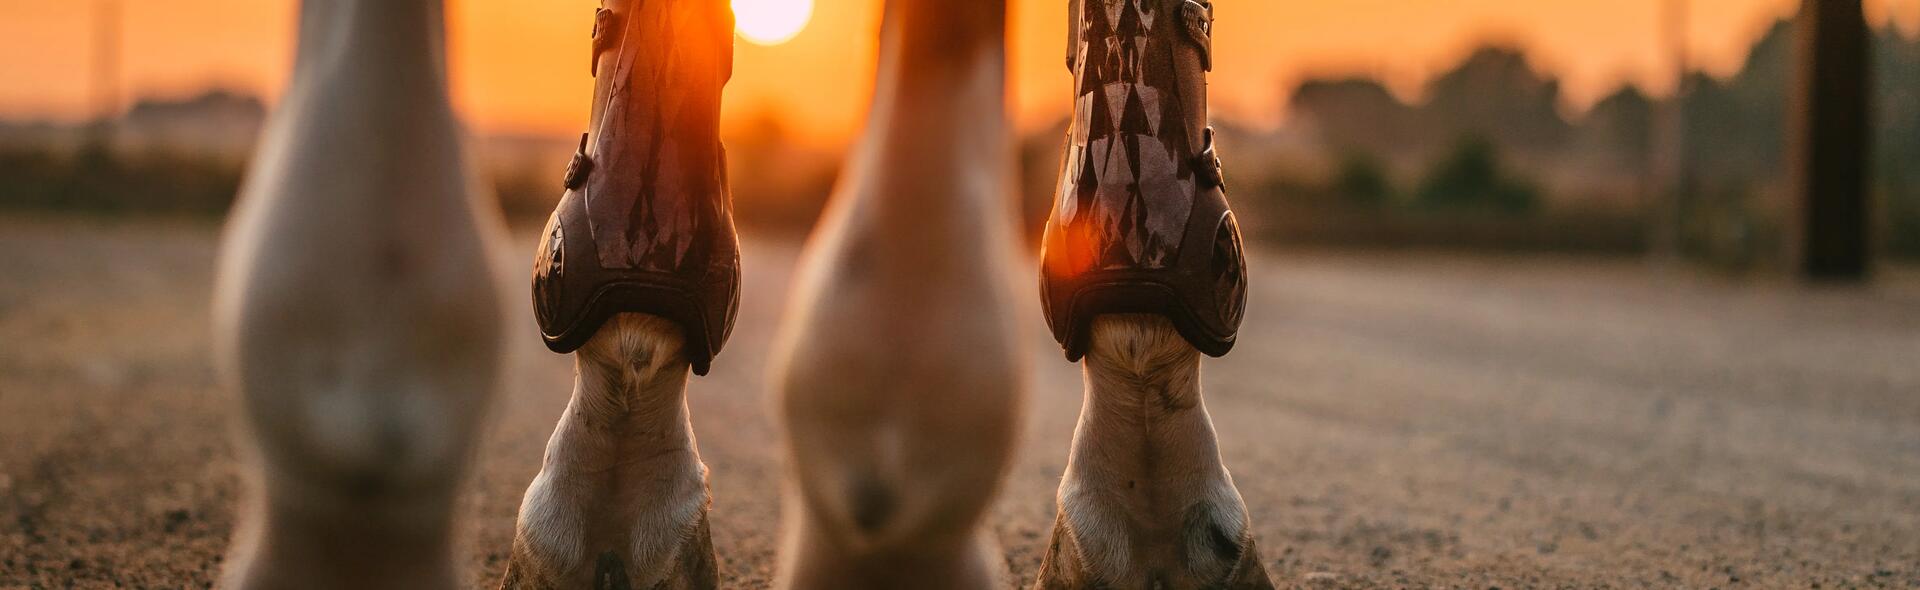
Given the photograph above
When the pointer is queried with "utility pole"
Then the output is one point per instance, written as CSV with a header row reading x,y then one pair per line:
x,y
1829,131
106,68
1671,173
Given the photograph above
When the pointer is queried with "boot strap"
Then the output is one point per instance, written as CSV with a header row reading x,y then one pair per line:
x,y
1198,15
602,37
1073,34
579,168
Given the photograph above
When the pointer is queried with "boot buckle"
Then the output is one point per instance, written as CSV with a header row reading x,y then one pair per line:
x,y
1207,167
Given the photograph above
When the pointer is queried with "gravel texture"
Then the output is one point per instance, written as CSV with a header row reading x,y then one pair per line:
x,y
1393,420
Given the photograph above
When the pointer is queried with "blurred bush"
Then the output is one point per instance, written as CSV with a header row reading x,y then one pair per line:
x,y
1727,227
97,180
1471,178
1363,180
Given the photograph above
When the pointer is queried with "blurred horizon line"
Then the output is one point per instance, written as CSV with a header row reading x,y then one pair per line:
x,y
779,113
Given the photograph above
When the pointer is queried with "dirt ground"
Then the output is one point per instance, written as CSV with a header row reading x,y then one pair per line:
x,y
1394,420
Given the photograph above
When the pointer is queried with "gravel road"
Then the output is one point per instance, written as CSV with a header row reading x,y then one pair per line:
x,y
1394,420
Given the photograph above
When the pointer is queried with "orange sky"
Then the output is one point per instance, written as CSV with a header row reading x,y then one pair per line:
x,y
517,64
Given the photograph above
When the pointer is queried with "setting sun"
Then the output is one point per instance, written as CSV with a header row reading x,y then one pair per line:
x,y
771,22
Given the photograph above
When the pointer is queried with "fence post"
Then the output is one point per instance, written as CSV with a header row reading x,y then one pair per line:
x,y
1828,135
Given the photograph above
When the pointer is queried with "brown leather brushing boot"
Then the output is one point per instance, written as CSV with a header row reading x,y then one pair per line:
x,y
646,224
1142,270
638,276
1141,223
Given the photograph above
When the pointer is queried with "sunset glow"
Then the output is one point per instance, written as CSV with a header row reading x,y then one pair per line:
x,y
771,22
517,65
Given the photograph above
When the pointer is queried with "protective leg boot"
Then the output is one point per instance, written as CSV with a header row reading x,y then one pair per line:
x,y
1141,222
646,223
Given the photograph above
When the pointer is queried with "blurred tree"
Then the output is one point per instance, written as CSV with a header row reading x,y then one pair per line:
x,y
1497,95
1736,128
1897,146
1618,129
1357,114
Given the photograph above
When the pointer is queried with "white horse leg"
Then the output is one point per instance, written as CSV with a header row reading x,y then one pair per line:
x,y
899,373
1146,501
355,311
622,495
